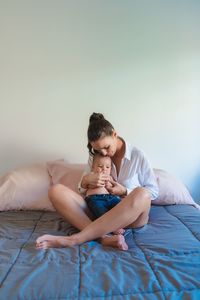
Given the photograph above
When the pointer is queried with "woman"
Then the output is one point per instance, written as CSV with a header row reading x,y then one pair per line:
x,y
134,182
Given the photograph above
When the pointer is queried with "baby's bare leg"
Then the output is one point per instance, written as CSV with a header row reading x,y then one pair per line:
x,y
119,231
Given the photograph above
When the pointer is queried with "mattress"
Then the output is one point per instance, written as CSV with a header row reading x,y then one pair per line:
x,y
163,260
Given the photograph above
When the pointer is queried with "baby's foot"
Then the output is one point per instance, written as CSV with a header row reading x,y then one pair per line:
x,y
119,231
116,241
51,241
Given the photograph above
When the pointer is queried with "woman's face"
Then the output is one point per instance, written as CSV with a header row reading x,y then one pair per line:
x,y
106,146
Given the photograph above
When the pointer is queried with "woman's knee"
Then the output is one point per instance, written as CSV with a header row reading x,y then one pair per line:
x,y
140,200
56,190
142,192
141,197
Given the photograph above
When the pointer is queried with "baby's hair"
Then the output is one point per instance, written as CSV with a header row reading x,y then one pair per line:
x,y
98,155
98,128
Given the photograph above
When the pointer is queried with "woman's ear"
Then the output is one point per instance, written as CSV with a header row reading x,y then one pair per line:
x,y
114,133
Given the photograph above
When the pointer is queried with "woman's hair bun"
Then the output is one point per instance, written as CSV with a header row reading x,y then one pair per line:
x,y
98,128
96,117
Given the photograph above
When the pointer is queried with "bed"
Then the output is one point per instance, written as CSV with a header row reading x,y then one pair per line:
x,y
163,260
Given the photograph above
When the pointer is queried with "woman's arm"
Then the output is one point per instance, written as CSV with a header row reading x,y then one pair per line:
x,y
148,179
93,180
116,188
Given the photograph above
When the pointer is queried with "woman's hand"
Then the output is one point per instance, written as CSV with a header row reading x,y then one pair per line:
x,y
116,188
93,180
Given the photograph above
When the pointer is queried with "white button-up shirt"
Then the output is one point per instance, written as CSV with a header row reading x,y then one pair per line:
x,y
135,171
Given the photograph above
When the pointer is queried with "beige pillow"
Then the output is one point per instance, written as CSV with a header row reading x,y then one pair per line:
x,y
25,188
172,190
65,173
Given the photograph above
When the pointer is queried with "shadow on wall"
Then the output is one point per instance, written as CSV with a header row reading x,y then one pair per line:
x,y
195,188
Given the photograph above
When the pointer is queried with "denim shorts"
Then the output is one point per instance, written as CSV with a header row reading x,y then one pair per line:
x,y
100,204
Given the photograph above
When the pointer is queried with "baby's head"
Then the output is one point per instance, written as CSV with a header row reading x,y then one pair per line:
x,y
101,164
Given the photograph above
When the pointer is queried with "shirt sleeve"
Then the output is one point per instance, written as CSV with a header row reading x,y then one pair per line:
x,y
86,171
128,190
148,179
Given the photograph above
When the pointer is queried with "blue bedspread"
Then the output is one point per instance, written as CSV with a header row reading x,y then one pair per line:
x,y
163,260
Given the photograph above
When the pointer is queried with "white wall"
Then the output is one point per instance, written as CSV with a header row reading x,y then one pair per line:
x,y
138,62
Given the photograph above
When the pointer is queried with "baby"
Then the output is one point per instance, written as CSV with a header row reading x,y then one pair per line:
x,y
98,199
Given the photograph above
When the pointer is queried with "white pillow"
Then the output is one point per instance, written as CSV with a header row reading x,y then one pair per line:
x,y
25,188
171,190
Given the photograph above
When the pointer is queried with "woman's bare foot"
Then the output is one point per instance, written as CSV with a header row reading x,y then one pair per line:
x,y
119,231
51,241
116,241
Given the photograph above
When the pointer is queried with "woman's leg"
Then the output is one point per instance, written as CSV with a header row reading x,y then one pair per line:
x,y
74,209
125,214
131,211
70,205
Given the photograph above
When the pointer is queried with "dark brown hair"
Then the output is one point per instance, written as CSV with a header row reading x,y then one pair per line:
x,y
98,128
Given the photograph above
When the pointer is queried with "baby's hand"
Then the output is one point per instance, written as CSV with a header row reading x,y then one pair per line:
x,y
98,179
117,189
108,183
